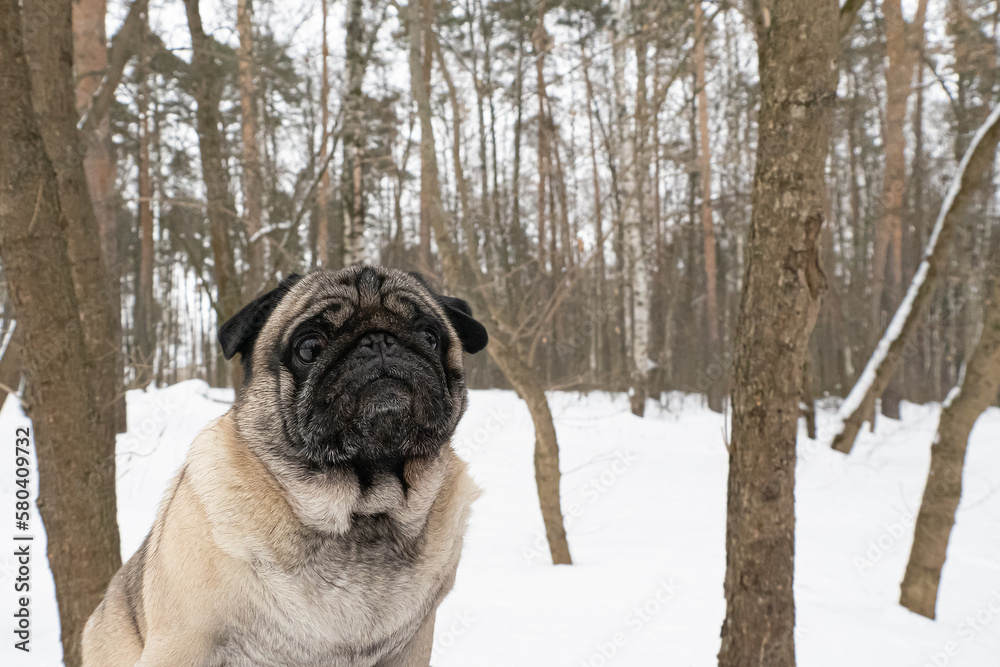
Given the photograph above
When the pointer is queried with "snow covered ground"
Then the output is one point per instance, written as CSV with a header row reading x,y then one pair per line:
x,y
645,501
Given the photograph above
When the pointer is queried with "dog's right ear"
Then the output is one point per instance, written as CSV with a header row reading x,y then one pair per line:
x,y
240,331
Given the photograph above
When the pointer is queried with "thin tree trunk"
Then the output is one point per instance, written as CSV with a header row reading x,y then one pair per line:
x,y
468,227
797,52
323,195
889,228
213,170
597,354
630,221
253,196
707,225
427,180
50,249
943,491
144,326
889,352
352,193
539,42
90,60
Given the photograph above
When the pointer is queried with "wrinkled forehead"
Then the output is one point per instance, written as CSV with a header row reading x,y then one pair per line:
x,y
354,290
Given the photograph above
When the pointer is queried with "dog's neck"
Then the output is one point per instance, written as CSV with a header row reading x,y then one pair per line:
x,y
329,501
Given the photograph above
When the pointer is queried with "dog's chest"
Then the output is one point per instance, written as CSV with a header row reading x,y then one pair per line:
x,y
343,607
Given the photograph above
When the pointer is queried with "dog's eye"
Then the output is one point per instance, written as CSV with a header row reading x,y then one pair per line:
x,y
309,347
430,337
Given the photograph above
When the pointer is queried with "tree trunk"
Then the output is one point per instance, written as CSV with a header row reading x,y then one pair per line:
x,y
597,349
539,43
145,327
213,170
889,229
323,195
90,60
352,191
797,53
50,249
943,491
630,223
547,474
253,196
707,225
427,180
889,352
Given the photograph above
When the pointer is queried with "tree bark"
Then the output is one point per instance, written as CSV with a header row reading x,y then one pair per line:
x,y
253,195
50,250
797,54
943,490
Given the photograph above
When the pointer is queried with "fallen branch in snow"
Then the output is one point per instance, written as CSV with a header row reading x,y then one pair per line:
x,y
885,359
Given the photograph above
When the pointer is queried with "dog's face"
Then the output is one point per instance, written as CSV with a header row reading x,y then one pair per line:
x,y
360,368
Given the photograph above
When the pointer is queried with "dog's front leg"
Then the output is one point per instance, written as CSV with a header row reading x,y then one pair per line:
x,y
417,651
190,651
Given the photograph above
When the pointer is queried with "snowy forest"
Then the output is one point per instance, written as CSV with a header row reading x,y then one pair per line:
x,y
700,222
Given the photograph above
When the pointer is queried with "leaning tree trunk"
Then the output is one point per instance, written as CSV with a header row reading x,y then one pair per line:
x,y
50,249
889,353
797,50
525,379
944,482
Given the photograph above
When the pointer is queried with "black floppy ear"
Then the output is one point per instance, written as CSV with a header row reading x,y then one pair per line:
x,y
240,331
472,334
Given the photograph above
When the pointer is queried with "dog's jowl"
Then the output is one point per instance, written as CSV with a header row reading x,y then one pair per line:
x,y
319,522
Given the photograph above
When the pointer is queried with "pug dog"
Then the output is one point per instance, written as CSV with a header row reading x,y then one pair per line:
x,y
319,522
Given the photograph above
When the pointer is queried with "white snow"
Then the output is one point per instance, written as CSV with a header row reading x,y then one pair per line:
x,y
864,384
645,501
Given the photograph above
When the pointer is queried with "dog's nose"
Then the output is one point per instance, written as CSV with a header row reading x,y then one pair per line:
x,y
378,342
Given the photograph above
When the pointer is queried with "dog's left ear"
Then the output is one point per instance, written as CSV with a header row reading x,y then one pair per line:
x,y
239,333
472,334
